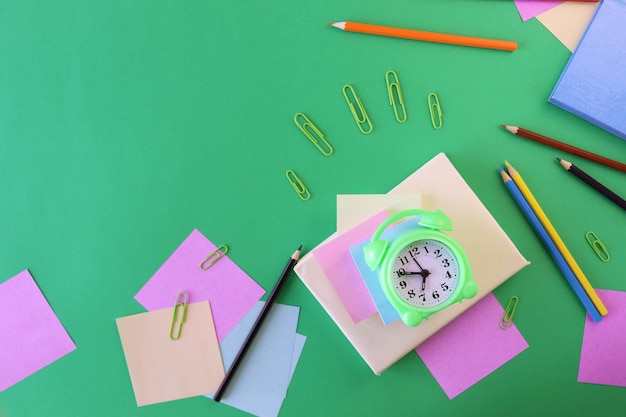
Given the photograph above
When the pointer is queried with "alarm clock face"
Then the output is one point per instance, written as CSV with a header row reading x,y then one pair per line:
x,y
425,273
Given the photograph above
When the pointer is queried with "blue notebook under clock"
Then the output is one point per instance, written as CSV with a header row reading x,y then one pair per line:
x,y
593,84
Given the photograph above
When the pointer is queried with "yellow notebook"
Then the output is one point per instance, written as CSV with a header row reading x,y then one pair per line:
x,y
493,256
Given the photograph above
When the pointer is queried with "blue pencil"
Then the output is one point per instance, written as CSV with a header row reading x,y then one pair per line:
x,y
554,252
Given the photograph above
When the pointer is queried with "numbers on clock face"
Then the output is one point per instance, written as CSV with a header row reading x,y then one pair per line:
x,y
425,273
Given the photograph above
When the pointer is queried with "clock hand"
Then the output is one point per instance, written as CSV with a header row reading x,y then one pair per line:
x,y
410,273
424,272
418,264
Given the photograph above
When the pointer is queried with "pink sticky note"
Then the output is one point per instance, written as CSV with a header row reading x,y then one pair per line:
x,y
32,337
602,359
230,290
471,347
531,8
336,261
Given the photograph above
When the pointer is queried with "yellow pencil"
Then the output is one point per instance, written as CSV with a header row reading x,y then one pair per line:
x,y
569,259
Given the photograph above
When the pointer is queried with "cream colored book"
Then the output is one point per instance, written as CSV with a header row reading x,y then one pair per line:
x,y
493,256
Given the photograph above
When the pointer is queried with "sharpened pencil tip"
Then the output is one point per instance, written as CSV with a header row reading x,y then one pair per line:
x,y
505,176
296,254
565,164
338,25
509,167
512,129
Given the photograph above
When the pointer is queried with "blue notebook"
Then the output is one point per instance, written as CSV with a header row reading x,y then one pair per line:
x,y
593,84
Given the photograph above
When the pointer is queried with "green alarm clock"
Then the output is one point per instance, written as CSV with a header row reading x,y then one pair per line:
x,y
422,270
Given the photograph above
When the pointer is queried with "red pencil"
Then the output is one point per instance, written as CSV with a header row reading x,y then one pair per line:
x,y
518,131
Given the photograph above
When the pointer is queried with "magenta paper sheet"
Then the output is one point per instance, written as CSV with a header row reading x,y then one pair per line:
x,y
231,292
31,335
602,358
335,259
471,347
531,8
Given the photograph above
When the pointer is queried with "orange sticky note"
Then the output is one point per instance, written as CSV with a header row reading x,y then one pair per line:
x,y
162,369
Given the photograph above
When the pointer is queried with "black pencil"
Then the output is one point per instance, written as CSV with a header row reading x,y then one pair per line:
x,y
592,182
257,325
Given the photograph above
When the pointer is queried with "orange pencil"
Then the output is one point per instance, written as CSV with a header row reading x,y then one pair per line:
x,y
420,35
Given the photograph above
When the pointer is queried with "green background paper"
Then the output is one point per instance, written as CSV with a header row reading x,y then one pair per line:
x,y
126,124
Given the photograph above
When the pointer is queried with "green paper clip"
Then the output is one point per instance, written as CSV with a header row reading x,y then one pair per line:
x,y
181,303
314,134
509,312
361,118
298,185
436,115
213,257
393,83
598,247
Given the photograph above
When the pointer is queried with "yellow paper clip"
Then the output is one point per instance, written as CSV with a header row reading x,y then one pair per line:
x,y
598,247
213,257
180,307
509,312
393,83
361,118
298,185
314,134
436,115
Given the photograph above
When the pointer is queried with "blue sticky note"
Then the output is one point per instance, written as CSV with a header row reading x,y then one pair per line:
x,y
260,384
387,313
593,84
266,405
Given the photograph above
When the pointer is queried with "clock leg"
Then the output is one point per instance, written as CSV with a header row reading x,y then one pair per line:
x,y
412,318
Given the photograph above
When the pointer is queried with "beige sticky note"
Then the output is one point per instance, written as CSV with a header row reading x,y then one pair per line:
x,y
352,209
162,369
568,21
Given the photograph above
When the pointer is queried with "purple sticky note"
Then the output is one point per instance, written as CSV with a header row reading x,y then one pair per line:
x,y
602,359
531,8
32,337
231,292
471,347
336,261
